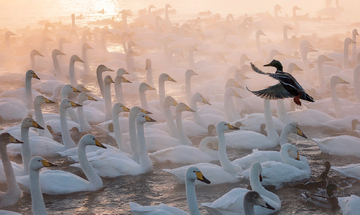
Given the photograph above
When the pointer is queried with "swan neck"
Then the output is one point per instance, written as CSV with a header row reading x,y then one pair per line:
x,y
357,83
170,122
118,132
145,161
322,84
144,104
37,200
149,77
88,170
345,63
282,113
28,91
183,138
161,92
119,93
66,138
133,138
283,136
26,149
336,102
188,89
33,64
73,80
191,197
191,59
57,68
270,129
100,81
107,98
13,187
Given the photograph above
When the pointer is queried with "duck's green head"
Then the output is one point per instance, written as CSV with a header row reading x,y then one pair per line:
x,y
331,188
276,64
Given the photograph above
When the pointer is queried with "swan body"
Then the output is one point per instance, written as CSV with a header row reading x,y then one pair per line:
x,y
57,182
231,202
343,145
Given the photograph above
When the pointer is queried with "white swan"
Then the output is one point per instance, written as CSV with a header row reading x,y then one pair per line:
x,y
13,193
219,174
343,145
262,156
107,96
143,87
231,202
254,140
207,152
351,170
100,69
37,200
118,88
66,182
188,74
38,101
180,108
192,174
84,124
279,174
72,76
66,138
162,78
115,166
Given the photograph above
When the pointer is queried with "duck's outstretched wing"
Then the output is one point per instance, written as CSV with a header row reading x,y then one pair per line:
x,y
258,70
273,92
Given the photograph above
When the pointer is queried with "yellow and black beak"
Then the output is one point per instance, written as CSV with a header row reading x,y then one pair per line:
x,y
300,133
238,85
187,108
149,119
237,95
125,109
79,59
111,80
75,90
201,177
231,127
171,79
36,125
62,53
91,98
145,111
97,143
175,103
108,69
14,140
48,100
151,88
73,104
84,89
342,81
35,76
46,163
205,101
125,80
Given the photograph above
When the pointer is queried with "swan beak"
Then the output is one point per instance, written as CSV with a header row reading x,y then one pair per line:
x,y
14,140
73,104
298,156
39,54
342,81
175,103
187,108
260,178
265,204
170,79
205,101
244,77
36,125
75,90
296,67
61,53
237,95
125,72
84,89
300,133
195,73
46,163
108,69
125,80
328,59
48,100
91,98
247,58
97,143
231,127
151,88
88,47
313,50
238,85
111,81
35,76
201,177
149,119
79,59
145,111
125,109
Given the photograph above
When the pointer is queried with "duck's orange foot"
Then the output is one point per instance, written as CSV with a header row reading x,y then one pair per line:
x,y
297,100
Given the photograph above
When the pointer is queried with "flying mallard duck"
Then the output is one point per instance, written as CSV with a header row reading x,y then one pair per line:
x,y
287,88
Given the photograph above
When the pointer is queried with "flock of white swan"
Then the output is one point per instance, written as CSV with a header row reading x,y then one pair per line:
x,y
170,82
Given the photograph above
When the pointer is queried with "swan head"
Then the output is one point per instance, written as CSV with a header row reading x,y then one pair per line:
x,y
134,111
6,138
63,40
35,52
66,103
259,33
194,173
231,92
8,34
190,73
29,122
290,151
276,64
294,128
81,88
36,163
355,32
323,58
148,64
254,198
232,83
121,71
67,89
183,107
103,68
337,80
165,77
348,41
89,139
142,118
108,80
292,67
31,74
56,52
76,58
244,58
278,8
197,97
121,79
221,127
39,100
296,8
168,6
83,97
86,46
169,101
145,87
119,107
